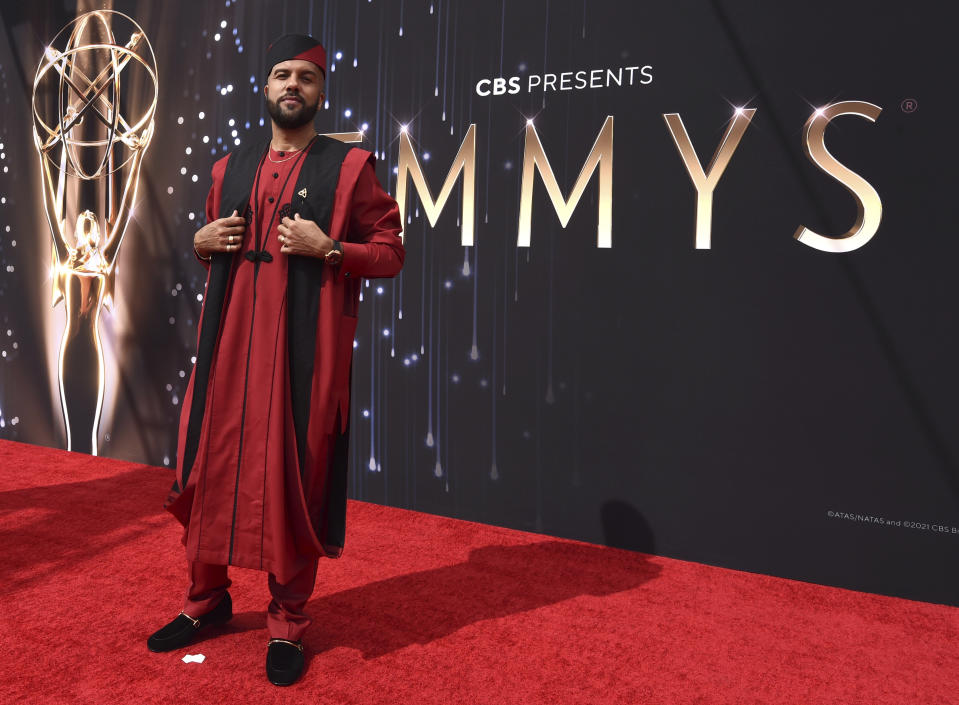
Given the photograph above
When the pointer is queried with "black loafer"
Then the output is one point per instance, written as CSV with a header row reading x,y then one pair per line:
x,y
284,661
182,630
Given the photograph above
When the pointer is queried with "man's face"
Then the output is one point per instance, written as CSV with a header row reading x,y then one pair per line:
x,y
293,93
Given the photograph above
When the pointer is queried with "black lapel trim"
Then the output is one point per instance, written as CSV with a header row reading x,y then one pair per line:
x,y
240,172
336,489
313,199
239,177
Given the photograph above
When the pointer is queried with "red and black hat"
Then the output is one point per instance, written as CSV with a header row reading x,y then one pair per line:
x,y
295,46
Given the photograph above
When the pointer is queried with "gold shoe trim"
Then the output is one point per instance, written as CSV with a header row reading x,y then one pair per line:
x,y
196,622
291,643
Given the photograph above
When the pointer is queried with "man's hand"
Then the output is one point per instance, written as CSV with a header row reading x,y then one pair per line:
x,y
223,235
303,237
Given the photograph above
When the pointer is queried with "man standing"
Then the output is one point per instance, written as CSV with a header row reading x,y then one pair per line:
x,y
292,227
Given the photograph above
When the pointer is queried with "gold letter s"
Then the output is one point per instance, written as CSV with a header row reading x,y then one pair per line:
x,y
869,207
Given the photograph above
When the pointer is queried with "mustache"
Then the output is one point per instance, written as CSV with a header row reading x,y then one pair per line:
x,y
286,96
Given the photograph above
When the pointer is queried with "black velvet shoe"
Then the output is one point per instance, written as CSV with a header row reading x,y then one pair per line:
x,y
183,629
284,661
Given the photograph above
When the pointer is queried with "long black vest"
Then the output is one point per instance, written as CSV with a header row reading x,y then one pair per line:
x,y
313,199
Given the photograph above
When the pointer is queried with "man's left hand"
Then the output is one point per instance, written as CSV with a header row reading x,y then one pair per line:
x,y
303,237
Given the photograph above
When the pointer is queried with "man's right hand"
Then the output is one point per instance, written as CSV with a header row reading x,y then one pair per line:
x,y
223,235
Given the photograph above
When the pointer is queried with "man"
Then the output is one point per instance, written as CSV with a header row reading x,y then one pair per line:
x,y
292,227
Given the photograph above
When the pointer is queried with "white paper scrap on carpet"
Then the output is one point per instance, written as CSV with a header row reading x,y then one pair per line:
x,y
198,658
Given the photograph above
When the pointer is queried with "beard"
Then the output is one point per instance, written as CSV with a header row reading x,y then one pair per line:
x,y
291,118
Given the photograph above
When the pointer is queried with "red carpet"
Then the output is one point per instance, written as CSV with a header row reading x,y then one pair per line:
x,y
424,609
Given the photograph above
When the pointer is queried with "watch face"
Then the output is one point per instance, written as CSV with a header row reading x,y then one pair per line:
x,y
334,257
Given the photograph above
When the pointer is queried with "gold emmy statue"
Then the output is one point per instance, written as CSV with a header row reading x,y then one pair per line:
x,y
93,106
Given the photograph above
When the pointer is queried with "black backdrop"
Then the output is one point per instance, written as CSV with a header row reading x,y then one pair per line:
x,y
759,405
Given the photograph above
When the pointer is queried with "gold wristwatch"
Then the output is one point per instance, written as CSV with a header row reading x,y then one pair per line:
x,y
335,255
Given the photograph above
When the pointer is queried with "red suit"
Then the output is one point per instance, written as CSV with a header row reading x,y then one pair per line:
x,y
262,445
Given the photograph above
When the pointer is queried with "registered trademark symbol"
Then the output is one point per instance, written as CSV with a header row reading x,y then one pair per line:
x,y
909,105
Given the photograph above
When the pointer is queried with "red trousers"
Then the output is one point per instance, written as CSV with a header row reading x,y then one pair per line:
x,y
285,617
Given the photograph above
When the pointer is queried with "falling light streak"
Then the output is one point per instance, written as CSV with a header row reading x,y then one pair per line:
x,y
442,368
446,54
430,440
436,77
356,36
505,311
545,45
373,405
549,317
474,348
494,472
423,295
